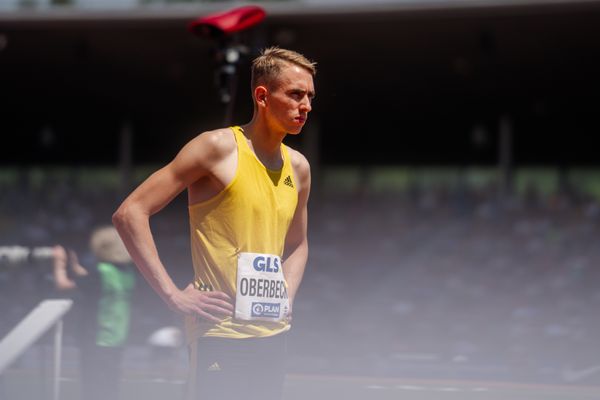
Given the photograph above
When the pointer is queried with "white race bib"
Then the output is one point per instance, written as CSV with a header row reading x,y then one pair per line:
x,y
261,293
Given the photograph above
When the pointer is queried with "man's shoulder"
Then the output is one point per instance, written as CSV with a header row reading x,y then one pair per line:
x,y
221,139
217,143
298,160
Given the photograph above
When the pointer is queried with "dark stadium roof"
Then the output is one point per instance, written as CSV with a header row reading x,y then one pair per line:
x,y
416,77
306,8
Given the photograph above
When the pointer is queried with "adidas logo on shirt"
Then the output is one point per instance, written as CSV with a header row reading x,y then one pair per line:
x,y
288,181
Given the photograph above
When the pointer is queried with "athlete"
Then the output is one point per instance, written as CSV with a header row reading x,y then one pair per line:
x,y
247,195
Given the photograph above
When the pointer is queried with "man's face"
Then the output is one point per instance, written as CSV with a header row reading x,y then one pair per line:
x,y
290,98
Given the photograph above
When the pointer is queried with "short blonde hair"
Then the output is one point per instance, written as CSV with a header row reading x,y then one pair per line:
x,y
269,64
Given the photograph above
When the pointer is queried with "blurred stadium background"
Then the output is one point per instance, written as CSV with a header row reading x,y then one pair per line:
x,y
455,212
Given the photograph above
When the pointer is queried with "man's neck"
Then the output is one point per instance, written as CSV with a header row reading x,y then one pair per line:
x,y
265,142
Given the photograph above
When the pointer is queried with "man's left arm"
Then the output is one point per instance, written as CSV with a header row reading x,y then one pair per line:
x,y
296,242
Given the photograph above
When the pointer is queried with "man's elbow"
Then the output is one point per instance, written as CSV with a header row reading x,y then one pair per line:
x,y
121,216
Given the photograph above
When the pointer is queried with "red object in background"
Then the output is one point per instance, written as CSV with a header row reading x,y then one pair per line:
x,y
228,22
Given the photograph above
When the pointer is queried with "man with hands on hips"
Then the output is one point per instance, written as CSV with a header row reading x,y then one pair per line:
x,y
247,202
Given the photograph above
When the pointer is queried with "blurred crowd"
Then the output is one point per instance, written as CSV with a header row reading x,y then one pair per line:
x,y
456,283
448,282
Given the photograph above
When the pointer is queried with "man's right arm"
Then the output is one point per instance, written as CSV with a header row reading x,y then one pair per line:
x,y
132,220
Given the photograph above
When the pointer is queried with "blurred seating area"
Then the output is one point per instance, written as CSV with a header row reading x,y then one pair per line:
x,y
435,282
454,284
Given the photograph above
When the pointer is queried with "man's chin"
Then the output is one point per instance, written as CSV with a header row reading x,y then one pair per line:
x,y
295,130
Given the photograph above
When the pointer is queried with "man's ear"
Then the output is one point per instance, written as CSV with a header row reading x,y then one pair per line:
x,y
260,95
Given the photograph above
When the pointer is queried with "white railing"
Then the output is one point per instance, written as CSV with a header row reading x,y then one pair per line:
x,y
48,314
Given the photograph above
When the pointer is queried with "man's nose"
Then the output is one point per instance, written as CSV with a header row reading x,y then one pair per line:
x,y
305,105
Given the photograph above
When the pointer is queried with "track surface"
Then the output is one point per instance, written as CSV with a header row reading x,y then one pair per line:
x,y
22,385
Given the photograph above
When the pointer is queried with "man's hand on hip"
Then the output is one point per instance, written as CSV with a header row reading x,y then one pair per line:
x,y
212,306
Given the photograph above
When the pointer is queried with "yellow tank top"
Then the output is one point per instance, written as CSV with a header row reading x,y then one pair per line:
x,y
252,214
